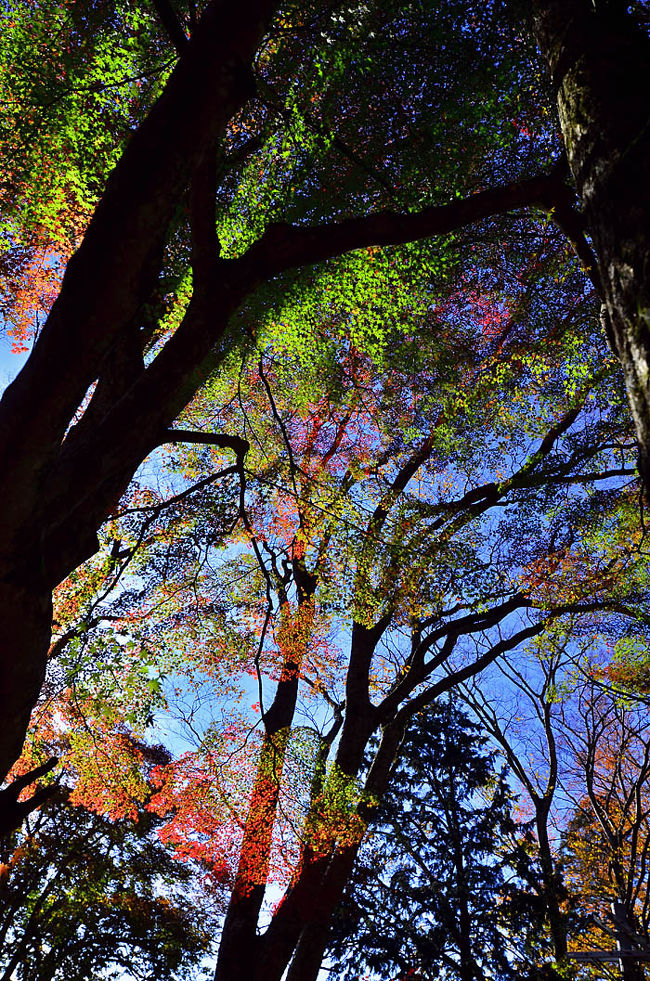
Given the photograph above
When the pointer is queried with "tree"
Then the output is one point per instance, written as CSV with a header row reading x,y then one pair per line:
x,y
537,768
597,55
437,890
607,840
575,733
83,895
371,562
228,111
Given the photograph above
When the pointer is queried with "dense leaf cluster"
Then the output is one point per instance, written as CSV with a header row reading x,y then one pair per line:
x,y
83,896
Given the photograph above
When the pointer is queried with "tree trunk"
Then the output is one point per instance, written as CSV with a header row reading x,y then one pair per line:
x,y
239,946
469,970
310,949
556,919
600,62
299,931
26,625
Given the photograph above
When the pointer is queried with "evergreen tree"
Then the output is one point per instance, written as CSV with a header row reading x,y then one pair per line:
x,y
439,889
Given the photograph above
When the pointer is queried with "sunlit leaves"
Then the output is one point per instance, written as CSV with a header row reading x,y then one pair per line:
x,y
72,82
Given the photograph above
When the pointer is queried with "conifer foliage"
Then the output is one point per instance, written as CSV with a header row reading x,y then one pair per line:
x,y
443,884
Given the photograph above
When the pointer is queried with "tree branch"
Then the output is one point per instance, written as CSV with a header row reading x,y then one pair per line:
x,y
13,812
284,246
223,440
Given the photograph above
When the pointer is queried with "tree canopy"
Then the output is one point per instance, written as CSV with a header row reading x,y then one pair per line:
x,y
83,896
333,314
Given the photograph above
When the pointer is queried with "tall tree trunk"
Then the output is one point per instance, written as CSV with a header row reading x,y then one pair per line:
x,y
238,949
300,929
600,62
469,969
26,626
239,946
556,919
310,949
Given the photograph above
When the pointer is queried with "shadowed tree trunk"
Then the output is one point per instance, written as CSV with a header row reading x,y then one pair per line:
x,y
599,59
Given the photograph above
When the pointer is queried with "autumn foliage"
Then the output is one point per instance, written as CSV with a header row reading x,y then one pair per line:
x,y
320,425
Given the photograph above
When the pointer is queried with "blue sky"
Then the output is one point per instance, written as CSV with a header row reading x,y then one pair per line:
x,y
10,364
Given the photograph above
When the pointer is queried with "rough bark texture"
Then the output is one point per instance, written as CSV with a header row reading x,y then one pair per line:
x,y
600,62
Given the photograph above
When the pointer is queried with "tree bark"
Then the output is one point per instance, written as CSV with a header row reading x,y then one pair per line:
x,y
600,62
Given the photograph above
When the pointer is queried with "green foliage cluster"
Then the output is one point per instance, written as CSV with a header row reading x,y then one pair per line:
x,y
84,897
72,83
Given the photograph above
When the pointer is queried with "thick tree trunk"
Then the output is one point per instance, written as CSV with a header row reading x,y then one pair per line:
x,y
600,62
238,948
298,934
312,944
26,625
